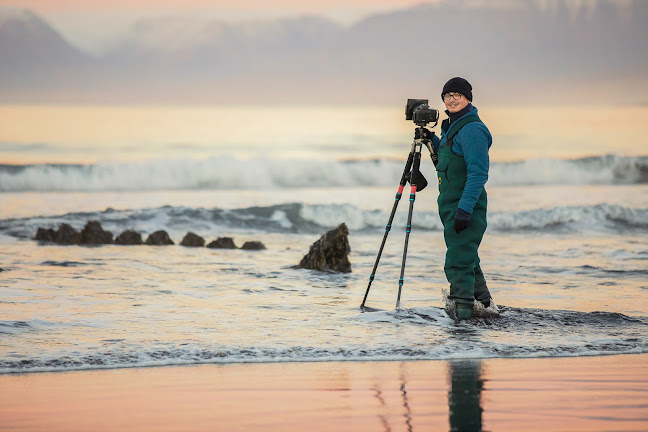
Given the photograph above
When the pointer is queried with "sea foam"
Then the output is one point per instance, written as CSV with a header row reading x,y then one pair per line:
x,y
230,173
314,218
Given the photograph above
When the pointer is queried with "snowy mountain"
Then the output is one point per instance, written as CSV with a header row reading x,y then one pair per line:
x,y
33,54
528,49
218,48
172,35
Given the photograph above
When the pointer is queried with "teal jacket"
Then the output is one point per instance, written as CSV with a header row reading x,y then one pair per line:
x,y
472,142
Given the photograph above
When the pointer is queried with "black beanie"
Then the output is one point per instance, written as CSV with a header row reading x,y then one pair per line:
x,y
458,85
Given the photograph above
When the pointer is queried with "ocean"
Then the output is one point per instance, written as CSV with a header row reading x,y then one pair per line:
x,y
565,253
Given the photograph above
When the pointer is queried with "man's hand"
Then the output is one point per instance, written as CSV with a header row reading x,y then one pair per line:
x,y
423,133
461,220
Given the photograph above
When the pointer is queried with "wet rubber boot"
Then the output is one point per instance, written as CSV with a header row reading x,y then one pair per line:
x,y
462,261
463,312
481,290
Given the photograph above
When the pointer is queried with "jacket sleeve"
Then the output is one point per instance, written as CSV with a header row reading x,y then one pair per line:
x,y
475,140
435,143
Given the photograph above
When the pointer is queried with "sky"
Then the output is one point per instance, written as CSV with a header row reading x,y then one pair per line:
x,y
59,5
93,25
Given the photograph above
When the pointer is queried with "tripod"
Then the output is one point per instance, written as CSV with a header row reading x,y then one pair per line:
x,y
412,174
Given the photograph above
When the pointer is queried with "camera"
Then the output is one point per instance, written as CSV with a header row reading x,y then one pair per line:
x,y
420,112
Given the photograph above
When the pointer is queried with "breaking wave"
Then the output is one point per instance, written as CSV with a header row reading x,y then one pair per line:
x,y
230,173
313,218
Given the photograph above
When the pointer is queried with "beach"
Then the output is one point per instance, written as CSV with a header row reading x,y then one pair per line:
x,y
558,394
200,226
115,337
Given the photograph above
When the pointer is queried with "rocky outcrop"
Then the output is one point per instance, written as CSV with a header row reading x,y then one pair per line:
x,y
192,240
159,238
93,233
330,252
253,245
45,235
222,243
67,235
64,235
129,237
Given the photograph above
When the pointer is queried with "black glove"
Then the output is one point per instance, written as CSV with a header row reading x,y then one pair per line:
x,y
461,220
422,133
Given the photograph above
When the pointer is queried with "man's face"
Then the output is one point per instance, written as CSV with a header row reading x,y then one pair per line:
x,y
455,102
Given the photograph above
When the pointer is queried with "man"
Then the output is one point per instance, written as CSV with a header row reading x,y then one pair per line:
x,y
463,171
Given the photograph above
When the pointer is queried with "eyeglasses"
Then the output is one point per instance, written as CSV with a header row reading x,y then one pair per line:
x,y
454,96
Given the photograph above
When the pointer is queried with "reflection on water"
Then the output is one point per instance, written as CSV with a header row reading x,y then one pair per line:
x,y
464,395
378,394
601,393
383,413
414,401
406,405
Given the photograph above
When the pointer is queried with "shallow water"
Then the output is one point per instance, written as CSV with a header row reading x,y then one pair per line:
x,y
570,279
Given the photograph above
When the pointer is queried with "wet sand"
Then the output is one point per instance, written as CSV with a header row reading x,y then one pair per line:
x,y
557,394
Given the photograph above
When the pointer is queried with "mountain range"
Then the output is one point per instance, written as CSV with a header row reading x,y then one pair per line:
x,y
520,51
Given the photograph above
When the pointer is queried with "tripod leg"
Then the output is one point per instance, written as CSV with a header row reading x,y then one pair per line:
x,y
403,181
408,229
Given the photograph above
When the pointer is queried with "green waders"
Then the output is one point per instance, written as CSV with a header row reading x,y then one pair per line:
x,y
462,268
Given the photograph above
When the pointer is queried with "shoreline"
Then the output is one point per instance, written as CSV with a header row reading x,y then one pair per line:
x,y
566,393
307,361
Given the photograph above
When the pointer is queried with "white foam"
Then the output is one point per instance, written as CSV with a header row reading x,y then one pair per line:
x,y
307,354
307,218
231,173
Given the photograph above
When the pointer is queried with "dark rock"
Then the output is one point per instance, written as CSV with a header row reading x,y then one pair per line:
x,y
93,233
159,238
45,235
330,252
253,245
1,270
129,237
192,240
67,235
222,243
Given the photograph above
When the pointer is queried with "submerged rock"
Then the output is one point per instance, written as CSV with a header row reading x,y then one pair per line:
x,y
253,245
129,237
93,233
64,235
192,240
330,252
45,235
222,243
67,235
159,238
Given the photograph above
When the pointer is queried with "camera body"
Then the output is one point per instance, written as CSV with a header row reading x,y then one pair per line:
x,y
420,112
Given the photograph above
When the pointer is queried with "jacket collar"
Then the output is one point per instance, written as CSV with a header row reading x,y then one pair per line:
x,y
455,116
452,117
